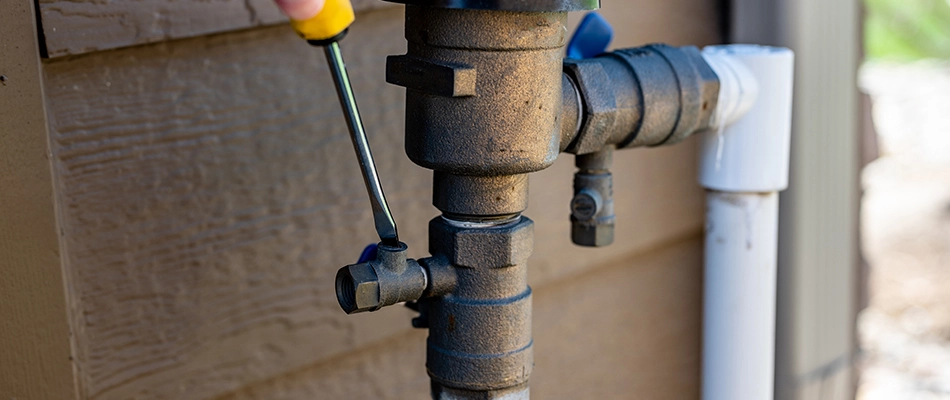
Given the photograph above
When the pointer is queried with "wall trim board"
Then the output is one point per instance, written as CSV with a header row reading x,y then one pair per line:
x,y
35,348
818,252
72,27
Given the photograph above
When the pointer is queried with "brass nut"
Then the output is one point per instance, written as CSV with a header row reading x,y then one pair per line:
x,y
592,235
600,104
495,247
357,288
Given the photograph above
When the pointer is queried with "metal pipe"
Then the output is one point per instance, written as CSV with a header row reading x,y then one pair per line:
x,y
480,344
483,110
654,95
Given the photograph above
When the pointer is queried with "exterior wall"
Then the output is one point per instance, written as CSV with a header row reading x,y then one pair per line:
x,y
72,27
208,194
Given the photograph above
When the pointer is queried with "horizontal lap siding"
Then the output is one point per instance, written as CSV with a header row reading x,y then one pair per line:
x,y
74,27
209,193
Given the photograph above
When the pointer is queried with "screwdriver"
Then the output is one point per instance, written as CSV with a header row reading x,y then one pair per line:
x,y
326,29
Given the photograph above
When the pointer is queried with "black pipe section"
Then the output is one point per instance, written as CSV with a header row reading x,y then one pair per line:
x,y
648,96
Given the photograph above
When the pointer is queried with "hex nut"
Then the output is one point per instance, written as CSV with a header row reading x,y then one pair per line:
x,y
495,247
357,288
600,104
596,234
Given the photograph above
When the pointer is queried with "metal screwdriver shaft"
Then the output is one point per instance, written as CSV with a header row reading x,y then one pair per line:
x,y
383,218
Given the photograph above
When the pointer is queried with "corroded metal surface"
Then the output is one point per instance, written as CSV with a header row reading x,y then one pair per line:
x,y
511,125
647,96
480,336
389,279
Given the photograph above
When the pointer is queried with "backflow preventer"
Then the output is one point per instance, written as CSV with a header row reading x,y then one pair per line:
x,y
490,99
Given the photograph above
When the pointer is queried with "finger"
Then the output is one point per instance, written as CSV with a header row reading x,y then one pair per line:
x,y
300,10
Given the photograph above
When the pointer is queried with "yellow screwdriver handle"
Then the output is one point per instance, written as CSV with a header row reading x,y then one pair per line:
x,y
331,22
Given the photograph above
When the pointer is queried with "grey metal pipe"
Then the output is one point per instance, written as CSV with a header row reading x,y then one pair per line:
x,y
480,335
483,109
648,96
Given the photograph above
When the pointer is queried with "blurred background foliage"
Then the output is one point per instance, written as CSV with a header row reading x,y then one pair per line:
x,y
904,30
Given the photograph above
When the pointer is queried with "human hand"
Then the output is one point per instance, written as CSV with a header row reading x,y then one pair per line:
x,y
300,10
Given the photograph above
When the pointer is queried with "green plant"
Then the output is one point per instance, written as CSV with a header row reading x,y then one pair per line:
x,y
907,29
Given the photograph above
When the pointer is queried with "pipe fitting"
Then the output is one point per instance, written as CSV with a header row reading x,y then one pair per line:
x,y
480,197
442,276
480,333
389,279
648,96
592,208
483,87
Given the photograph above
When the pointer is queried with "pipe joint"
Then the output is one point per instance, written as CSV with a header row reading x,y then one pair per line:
x,y
648,96
478,307
389,279
442,276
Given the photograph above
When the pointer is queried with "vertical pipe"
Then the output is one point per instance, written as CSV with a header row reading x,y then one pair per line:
x,y
739,308
743,167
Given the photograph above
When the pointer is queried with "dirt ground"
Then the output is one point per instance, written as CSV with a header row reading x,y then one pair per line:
x,y
905,331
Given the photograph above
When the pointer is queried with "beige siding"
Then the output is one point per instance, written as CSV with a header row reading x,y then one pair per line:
x,y
209,194
74,27
81,26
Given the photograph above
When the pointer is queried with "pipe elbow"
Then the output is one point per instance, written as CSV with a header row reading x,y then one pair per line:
x,y
748,148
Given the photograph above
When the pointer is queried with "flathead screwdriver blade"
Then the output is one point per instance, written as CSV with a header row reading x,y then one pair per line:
x,y
382,216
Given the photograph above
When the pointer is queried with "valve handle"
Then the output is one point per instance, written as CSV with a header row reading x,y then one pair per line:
x,y
591,38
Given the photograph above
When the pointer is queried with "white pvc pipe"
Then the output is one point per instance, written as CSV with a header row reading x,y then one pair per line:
x,y
739,307
744,165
